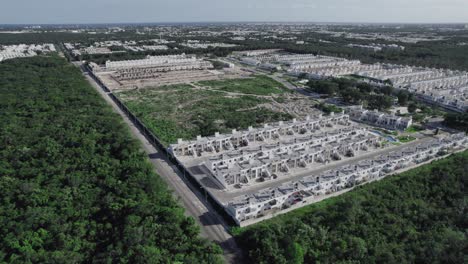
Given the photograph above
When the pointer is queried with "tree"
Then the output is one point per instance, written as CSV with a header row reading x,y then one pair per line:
x,y
412,107
76,187
403,97
387,90
457,121
364,87
323,87
414,217
352,95
379,101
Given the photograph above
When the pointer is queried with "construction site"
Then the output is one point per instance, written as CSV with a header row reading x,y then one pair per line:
x,y
161,70
274,151
245,158
257,173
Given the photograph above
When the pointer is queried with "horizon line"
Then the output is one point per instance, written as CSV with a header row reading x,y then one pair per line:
x,y
238,22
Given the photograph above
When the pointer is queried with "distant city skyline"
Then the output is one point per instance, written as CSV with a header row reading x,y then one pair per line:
x,y
147,11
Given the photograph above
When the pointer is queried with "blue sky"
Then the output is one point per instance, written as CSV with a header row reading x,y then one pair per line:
x,y
114,11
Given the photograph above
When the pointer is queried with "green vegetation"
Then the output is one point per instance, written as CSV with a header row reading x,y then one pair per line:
x,y
425,111
219,65
75,187
405,139
413,129
448,53
328,108
457,121
438,54
418,216
181,111
354,92
403,97
258,85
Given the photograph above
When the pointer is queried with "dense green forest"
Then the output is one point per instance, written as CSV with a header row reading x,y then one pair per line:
x,y
75,187
419,216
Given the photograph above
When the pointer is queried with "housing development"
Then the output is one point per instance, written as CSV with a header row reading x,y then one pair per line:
x,y
378,119
297,193
442,87
272,168
323,154
233,142
23,50
165,69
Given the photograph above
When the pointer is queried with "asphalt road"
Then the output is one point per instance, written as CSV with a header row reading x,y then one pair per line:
x,y
212,225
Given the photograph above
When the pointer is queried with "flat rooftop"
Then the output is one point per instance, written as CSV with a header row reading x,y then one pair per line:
x,y
224,196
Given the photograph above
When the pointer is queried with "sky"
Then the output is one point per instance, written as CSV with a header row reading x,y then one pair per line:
x,y
134,11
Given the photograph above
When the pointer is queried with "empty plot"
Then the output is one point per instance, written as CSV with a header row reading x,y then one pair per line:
x,y
181,111
258,85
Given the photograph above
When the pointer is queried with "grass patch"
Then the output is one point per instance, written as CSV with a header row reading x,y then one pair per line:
x,y
413,129
257,85
405,139
180,111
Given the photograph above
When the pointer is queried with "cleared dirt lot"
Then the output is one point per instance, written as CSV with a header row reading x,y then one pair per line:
x,y
170,78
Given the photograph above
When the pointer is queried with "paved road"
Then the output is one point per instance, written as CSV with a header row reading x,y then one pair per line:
x,y
212,225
